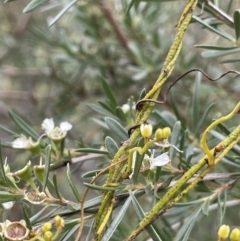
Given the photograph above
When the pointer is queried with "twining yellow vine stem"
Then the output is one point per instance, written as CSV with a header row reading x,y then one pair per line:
x,y
204,145
115,174
226,146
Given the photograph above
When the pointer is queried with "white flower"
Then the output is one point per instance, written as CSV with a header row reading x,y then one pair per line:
x,y
24,143
56,133
125,108
159,161
7,205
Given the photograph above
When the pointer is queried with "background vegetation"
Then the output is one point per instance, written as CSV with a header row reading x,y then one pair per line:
x,y
64,72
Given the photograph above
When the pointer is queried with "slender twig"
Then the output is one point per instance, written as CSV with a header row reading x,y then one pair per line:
x,y
116,27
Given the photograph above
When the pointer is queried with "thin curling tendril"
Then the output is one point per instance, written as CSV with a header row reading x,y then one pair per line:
x,y
140,103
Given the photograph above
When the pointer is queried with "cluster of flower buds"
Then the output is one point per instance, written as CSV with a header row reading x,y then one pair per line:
x,y
224,231
47,234
160,134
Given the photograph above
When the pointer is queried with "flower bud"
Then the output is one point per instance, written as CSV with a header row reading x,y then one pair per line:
x,y
48,236
146,130
235,235
223,232
162,134
46,227
59,222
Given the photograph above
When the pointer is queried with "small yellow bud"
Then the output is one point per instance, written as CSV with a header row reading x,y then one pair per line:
x,y
162,134
223,232
146,130
48,236
235,235
166,132
46,227
59,222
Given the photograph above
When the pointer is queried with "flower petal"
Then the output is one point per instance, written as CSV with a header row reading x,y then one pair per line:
x,y
161,160
20,143
48,124
65,126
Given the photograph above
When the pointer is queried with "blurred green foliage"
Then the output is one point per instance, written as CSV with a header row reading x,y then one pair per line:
x,y
97,56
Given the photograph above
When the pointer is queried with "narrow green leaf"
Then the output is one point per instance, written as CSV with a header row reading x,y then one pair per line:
x,y
7,1
2,171
120,113
55,183
140,213
33,5
109,94
101,110
26,217
38,215
47,167
224,128
72,185
216,53
107,107
230,60
130,5
236,18
138,162
184,231
142,94
61,13
111,146
47,215
23,125
201,121
175,109
205,206
90,231
99,188
8,131
116,128
70,233
218,32
8,197
214,47
174,138
91,150
195,100
114,224
166,118
91,173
